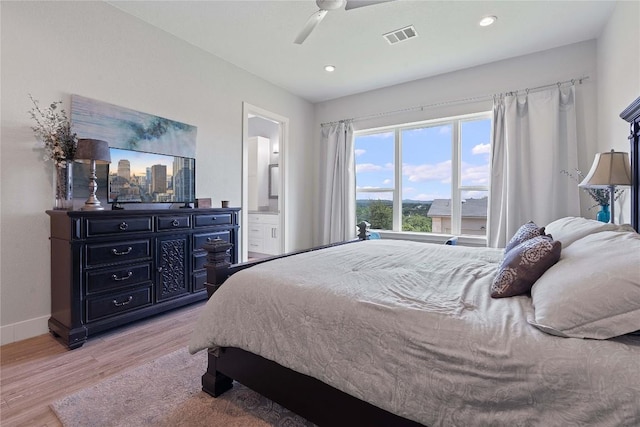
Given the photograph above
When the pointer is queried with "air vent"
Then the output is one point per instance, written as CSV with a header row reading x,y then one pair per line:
x,y
403,34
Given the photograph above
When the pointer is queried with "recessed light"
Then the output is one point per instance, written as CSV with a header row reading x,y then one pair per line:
x,y
488,20
329,68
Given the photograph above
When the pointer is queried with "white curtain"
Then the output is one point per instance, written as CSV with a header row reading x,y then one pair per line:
x,y
534,140
337,184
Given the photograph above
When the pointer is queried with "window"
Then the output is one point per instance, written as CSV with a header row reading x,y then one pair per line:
x,y
440,183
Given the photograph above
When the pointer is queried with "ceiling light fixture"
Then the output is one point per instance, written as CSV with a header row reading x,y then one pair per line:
x,y
329,68
488,20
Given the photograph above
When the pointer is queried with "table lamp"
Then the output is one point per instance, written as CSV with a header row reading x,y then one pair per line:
x,y
92,151
609,169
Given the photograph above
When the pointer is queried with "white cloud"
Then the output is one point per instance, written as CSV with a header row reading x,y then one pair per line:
x,y
475,174
429,197
359,152
386,181
419,173
368,167
481,149
374,196
474,194
372,167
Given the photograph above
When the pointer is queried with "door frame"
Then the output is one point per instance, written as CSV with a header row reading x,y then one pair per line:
x,y
248,109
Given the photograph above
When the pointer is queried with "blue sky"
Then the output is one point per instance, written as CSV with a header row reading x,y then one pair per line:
x,y
426,161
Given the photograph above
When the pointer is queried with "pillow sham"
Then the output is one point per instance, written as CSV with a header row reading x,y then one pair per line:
x,y
569,229
593,291
525,232
523,265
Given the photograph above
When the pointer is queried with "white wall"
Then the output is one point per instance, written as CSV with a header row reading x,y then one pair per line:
x,y
55,49
619,83
528,71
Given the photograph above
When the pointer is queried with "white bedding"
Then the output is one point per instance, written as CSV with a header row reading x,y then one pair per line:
x,y
411,328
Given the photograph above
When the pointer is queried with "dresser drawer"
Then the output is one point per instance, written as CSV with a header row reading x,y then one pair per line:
x,y
116,303
206,220
199,280
200,239
255,245
99,227
255,229
174,222
98,281
117,252
199,260
263,219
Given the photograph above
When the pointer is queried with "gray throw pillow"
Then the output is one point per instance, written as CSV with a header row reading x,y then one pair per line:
x,y
525,232
523,265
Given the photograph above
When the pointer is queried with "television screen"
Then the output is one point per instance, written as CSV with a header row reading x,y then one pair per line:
x,y
141,177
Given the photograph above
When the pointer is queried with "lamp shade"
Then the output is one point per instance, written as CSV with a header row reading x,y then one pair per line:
x,y
93,149
610,168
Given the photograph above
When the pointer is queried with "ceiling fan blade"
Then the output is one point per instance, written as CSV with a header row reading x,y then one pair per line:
x,y
354,4
312,23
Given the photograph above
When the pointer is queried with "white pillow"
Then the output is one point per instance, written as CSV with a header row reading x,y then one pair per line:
x,y
569,229
594,290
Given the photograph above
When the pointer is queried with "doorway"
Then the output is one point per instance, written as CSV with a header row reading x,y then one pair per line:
x,y
263,183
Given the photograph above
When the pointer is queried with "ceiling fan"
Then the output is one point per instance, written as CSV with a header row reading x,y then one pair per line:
x,y
327,5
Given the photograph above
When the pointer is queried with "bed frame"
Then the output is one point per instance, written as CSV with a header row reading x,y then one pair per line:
x,y
312,399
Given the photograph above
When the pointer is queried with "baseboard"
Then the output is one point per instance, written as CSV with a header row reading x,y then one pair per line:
x,y
22,330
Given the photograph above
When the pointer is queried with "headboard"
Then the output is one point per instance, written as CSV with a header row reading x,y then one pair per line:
x,y
632,115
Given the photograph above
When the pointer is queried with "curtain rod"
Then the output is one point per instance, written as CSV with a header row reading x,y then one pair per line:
x,y
579,80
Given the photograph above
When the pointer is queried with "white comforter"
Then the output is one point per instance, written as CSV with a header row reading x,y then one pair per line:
x,y
411,328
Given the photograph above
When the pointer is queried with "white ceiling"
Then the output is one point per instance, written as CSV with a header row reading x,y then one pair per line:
x,y
258,37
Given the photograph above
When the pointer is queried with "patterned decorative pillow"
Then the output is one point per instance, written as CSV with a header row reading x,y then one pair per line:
x,y
525,232
523,265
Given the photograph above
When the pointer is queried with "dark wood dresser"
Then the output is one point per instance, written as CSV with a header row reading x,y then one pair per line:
x,y
110,268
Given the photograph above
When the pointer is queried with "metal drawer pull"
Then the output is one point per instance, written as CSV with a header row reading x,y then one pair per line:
x,y
175,223
115,251
120,304
129,274
123,226
213,218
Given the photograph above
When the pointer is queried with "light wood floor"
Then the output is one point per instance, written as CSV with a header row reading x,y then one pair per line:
x,y
40,370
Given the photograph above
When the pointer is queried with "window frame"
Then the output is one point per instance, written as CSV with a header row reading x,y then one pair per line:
x,y
456,172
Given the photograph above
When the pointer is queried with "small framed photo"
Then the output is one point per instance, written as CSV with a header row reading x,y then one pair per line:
x,y
203,203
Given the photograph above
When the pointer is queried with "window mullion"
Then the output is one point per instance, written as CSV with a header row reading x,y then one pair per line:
x,y
456,196
397,194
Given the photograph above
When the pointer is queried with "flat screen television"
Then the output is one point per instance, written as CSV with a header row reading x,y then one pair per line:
x,y
142,177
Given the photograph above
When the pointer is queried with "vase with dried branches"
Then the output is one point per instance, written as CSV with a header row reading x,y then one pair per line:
x,y
53,130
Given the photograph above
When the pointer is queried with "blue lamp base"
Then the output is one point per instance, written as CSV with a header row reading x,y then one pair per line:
x,y
604,215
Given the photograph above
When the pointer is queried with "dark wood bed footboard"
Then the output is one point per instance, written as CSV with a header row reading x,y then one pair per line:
x,y
302,394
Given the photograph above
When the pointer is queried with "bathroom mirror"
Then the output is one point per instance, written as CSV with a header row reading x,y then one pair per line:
x,y
274,180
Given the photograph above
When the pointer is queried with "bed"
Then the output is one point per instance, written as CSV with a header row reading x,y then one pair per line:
x,y
389,333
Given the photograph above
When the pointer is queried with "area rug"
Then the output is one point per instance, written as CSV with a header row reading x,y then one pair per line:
x,y
167,392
